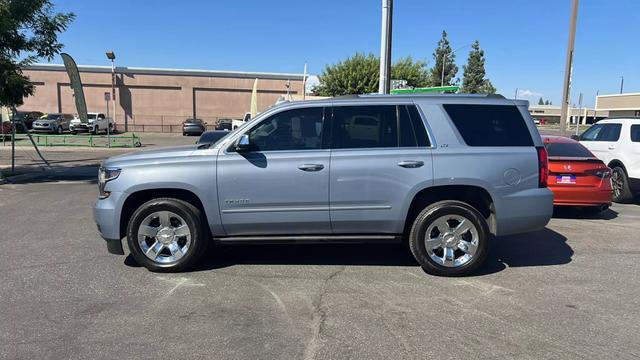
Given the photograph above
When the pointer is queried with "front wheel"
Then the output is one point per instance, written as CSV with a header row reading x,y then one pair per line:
x,y
167,235
449,238
620,184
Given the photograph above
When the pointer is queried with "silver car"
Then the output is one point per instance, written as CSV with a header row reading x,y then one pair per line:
x,y
53,123
444,172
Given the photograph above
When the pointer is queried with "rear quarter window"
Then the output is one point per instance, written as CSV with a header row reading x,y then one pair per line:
x,y
635,133
489,125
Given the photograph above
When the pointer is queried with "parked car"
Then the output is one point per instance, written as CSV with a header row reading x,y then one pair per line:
x,y
27,118
576,176
536,121
212,136
53,123
444,171
96,122
224,124
616,141
193,127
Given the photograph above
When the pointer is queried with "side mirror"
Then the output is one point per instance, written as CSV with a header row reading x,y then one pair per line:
x,y
575,137
244,145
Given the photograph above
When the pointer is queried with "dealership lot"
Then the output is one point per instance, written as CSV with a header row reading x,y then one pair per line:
x,y
568,291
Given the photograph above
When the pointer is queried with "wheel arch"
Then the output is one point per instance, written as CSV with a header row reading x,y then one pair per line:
x,y
135,199
615,162
476,196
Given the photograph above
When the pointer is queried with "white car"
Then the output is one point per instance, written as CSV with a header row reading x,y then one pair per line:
x,y
616,141
96,122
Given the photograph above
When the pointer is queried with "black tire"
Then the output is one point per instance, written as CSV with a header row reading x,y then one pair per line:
x,y
94,130
59,130
620,182
434,212
200,237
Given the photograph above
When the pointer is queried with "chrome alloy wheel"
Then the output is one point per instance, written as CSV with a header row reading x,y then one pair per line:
x,y
451,240
164,237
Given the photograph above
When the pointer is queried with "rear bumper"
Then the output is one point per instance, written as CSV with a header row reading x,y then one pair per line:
x,y
581,196
106,213
192,130
524,211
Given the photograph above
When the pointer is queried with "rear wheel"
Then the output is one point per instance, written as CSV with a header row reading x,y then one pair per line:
x,y
620,184
449,238
167,235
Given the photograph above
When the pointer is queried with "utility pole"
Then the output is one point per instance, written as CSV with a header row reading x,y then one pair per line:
x,y
568,68
621,83
515,96
385,47
444,61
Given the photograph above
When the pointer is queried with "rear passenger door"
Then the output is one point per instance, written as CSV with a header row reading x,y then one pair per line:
x,y
379,153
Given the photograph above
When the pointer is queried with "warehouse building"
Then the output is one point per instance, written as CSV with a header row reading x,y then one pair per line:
x,y
550,114
159,100
619,104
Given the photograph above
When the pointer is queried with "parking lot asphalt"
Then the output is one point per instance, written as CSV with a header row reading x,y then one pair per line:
x,y
569,291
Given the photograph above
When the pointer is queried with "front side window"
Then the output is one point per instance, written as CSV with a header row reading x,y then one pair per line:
x,y
610,132
592,133
635,133
297,129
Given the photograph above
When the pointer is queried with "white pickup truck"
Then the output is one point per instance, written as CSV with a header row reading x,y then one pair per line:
x,y
97,123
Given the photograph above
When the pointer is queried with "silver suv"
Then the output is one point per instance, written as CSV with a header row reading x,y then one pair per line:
x,y
444,172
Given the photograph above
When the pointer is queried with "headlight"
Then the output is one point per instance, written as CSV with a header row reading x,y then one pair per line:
x,y
104,176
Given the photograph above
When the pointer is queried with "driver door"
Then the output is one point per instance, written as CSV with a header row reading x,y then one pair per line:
x,y
281,186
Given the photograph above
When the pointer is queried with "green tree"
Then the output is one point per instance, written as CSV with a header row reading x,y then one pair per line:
x,y
28,31
443,55
540,102
415,73
474,79
357,74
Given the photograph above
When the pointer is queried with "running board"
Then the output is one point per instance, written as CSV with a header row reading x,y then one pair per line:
x,y
307,239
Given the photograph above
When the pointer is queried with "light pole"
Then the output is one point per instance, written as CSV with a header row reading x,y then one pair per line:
x,y
621,83
444,61
566,89
385,47
112,56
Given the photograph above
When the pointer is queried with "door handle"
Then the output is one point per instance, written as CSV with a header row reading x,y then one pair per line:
x,y
410,164
611,147
311,167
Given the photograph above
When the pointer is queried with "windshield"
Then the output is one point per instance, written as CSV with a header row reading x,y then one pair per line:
x,y
91,116
52,117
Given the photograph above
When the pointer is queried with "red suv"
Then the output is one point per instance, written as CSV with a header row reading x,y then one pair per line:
x,y
576,176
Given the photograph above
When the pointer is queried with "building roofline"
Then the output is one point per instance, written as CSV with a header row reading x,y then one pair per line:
x,y
161,71
623,94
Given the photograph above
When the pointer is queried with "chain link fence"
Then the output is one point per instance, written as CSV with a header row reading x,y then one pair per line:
x,y
166,123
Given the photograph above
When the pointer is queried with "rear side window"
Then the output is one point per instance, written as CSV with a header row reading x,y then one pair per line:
x,y
635,133
490,125
355,127
569,150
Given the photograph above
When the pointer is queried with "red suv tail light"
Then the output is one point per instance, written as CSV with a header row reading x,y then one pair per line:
x,y
600,173
543,166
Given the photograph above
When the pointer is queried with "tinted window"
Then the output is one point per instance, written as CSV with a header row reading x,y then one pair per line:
x,y
299,129
592,133
356,127
210,137
635,133
609,132
567,150
418,126
490,125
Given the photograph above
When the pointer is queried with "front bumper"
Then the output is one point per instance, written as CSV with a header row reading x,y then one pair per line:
x,y
106,213
43,129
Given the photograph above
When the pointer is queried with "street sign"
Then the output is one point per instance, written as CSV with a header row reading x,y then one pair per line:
x,y
107,96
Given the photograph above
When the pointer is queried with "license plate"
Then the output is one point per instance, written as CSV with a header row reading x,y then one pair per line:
x,y
566,179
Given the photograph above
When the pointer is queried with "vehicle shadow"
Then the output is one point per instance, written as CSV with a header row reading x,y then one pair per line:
x,y
541,248
564,212
84,173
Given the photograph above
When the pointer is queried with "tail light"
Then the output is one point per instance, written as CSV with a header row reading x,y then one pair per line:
x,y
543,166
601,173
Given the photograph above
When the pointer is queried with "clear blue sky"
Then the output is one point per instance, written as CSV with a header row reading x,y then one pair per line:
x,y
524,41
